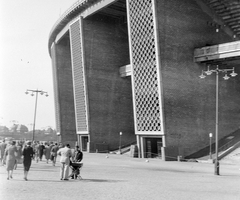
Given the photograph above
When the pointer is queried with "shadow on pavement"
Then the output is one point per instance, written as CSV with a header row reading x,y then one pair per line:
x,y
43,170
101,180
36,180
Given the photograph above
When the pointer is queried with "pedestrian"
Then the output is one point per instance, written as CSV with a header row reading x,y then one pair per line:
x,y
54,151
28,154
34,143
77,157
18,154
36,150
41,151
65,154
10,158
47,152
3,146
51,146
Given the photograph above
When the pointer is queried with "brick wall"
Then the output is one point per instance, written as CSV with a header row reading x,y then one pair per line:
x,y
65,91
110,96
189,102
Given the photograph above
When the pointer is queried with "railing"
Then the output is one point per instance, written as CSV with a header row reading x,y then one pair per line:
x,y
226,50
128,144
75,5
115,150
227,146
62,21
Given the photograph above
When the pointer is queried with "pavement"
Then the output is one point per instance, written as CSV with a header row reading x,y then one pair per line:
x,y
111,176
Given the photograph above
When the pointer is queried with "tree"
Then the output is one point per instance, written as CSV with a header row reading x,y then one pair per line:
x,y
21,129
4,129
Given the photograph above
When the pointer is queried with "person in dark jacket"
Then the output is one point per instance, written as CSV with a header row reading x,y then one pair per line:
x,y
41,150
77,158
78,155
28,154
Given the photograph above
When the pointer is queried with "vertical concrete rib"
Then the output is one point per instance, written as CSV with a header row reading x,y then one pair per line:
x,y
79,79
55,85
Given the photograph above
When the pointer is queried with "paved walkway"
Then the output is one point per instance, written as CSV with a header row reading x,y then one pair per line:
x,y
125,178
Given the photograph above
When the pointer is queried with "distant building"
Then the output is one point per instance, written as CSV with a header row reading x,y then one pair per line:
x,y
128,66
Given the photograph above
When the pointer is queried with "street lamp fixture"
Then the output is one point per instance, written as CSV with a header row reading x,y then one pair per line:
x,y
35,111
226,77
120,143
210,145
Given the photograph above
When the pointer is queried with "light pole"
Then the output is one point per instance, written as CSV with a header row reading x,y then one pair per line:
x,y
35,110
120,143
210,145
226,77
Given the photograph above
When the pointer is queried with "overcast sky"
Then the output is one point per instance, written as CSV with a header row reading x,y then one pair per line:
x,y
25,63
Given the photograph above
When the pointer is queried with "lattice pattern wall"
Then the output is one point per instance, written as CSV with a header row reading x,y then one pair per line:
x,y
78,78
144,65
55,84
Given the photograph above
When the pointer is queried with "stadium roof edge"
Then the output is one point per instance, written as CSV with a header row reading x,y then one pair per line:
x,y
66,17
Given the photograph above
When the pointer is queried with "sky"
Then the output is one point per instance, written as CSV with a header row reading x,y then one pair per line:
x,y
25,62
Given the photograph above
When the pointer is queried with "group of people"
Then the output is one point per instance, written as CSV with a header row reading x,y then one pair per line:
x,y
49,150
11,153
24,152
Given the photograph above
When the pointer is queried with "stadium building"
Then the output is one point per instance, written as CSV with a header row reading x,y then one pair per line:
x,y
127,71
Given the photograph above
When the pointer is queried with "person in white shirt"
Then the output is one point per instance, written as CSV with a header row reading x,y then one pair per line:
x,y
65,154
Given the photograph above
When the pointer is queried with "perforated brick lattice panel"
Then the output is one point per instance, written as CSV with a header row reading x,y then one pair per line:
x,y
145,74
78,78
57,111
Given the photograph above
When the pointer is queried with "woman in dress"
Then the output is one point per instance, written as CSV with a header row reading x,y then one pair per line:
x,y
10,158
47,152
28,154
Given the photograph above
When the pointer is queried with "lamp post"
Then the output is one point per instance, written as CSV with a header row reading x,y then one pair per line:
x,y
35,110
210,145
120,143
226,77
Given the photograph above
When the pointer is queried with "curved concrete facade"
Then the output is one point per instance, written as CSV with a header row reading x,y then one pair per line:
x,y
160,103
